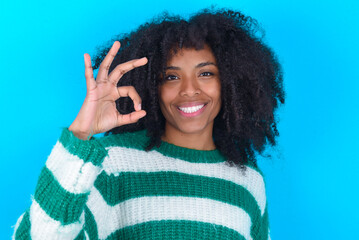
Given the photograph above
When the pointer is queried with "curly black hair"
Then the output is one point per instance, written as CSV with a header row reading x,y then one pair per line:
x,y
250,74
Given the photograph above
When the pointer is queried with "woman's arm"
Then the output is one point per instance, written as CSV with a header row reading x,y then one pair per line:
x,y
263,232
57,210
261,221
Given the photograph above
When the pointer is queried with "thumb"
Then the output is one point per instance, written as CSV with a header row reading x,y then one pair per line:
x,y
124,119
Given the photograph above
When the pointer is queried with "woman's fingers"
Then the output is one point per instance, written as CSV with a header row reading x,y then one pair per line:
x,y
123,119
123,68
129,91
106,63
90,80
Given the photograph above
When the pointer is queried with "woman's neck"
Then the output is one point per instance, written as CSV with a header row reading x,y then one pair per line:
x,y
200,140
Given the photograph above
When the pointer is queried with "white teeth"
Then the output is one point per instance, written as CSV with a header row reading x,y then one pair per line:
x,y
191,109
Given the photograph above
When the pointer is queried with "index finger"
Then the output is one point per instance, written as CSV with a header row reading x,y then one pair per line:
x,y
106,63
123,68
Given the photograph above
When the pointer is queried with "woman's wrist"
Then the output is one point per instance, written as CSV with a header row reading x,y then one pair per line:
x,y
83,135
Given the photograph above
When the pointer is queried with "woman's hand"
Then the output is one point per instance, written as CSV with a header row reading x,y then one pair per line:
x,y
98,113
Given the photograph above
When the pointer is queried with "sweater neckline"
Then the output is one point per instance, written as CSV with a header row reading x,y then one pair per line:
x,y
190,155
139,140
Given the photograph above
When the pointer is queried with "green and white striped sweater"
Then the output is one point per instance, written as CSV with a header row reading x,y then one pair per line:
x,y
110,188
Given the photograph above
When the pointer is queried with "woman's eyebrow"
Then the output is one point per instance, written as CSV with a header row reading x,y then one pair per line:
x,y
205,64
197,66
173,68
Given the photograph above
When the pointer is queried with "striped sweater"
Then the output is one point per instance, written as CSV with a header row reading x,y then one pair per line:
x,y
110,188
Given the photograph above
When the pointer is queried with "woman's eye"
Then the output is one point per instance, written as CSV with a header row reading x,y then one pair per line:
x,y
171,77
206,74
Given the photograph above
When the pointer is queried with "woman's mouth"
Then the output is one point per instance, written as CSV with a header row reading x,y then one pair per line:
x,y
192,111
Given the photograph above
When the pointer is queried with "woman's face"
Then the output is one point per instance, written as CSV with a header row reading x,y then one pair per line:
x,y
190,97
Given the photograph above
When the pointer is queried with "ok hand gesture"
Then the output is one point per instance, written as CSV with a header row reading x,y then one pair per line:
x,y
98,113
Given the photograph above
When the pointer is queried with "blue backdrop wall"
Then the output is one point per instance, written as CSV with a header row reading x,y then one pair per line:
x,y
311,179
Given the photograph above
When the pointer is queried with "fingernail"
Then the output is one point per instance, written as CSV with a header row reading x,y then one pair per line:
x,y
139,106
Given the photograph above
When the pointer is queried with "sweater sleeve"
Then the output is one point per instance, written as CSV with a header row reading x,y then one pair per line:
x,y
260,229
57,209
263,233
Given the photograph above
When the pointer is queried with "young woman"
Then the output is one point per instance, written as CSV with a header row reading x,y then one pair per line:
x,y
183,120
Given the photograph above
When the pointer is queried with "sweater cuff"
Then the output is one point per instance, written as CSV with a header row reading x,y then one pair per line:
x,y
87,150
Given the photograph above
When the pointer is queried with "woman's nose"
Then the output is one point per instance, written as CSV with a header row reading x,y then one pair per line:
x,y
190,87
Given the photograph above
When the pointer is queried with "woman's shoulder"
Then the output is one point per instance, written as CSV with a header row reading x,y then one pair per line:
x,y
254,167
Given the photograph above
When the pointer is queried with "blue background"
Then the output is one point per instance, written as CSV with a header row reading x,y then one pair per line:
x,y
311,181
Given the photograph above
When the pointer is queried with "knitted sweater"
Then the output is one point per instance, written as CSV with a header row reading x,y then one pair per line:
x,y
110,188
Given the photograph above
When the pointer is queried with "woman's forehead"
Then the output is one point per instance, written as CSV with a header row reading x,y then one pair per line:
x,y
184,55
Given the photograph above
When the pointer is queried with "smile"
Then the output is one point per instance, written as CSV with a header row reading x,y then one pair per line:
x,y
191,109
